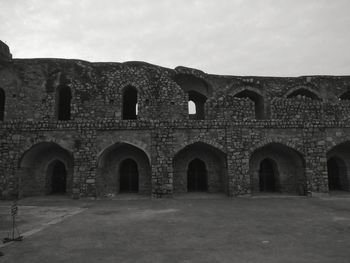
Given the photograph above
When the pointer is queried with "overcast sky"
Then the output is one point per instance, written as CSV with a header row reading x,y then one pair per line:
x,y
233,37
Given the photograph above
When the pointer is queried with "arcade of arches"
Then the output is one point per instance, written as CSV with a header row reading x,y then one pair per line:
x,y
47,168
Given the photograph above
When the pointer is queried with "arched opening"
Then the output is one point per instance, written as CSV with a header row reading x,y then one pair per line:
x,y
46,168
303,93
191,107
199,103
2,104
129,177
123,168
197,176
258,102
57,178
338,161
200,167
267,176
198,91
345,96
64,97
277,168
130,106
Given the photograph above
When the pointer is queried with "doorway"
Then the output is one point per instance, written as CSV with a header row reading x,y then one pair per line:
x,y
129,177
58,178
197,176
267,176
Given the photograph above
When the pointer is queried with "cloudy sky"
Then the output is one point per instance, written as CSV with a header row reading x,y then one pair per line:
x,y
234,37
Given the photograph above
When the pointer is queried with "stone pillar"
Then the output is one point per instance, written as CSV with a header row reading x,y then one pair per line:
x,y
162,166
315,162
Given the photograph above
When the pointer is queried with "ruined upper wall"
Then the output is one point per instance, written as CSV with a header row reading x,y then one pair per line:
x,y
31,85
5,55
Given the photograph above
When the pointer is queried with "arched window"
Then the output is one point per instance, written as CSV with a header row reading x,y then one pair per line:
x,y
130,105
303,93
63,103
2,104
196,102
191,107
258,102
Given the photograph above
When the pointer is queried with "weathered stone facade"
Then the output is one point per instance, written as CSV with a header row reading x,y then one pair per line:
x,y
125,127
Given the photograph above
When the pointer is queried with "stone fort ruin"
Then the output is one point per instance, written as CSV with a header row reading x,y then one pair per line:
x,y
101,129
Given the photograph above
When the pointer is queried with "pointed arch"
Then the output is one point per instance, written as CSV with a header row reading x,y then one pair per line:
x,y
130,105
215,172
286,164
2,104
338,167
36,168
199,101
63,103
114,171
303,92
258,99
198,90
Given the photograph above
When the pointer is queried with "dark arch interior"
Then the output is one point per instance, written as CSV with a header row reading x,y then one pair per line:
x,y
345,95
45,168
267,176
303,93
276,167
2,104
197,176
199,100
129,176
58,178
257,99
64,103
129,104
337,177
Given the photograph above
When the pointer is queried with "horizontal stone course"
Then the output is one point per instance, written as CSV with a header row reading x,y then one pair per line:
x,y
232,127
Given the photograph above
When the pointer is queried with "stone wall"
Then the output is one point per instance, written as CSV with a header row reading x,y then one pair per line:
x,y
299,133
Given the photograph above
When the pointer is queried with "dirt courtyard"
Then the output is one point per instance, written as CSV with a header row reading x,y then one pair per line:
x,y
220,229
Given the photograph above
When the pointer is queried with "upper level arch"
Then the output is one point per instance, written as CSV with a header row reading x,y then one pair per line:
x,y
189,82
199,104
129,102
198,92
63,103
255,96
303,91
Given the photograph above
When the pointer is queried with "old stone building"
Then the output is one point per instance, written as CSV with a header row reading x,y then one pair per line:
x,y
103,129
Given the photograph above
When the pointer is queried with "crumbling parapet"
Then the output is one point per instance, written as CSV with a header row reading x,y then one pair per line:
x,y
5,55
